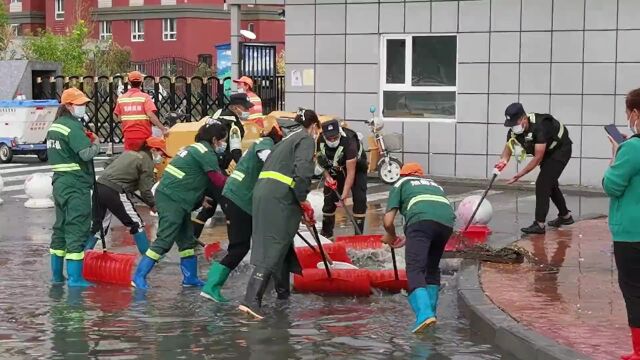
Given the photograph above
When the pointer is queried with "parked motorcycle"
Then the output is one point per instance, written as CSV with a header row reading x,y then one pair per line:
x,y
388,166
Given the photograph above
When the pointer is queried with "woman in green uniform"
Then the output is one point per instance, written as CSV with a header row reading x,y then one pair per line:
x,y
181,186
236,201
71,152
279,200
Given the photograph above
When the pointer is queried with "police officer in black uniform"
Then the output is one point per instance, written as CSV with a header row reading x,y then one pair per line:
x,y
342,157
236,110
544,137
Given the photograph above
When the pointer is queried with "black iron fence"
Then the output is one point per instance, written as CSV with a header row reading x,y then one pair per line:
x,y
195,97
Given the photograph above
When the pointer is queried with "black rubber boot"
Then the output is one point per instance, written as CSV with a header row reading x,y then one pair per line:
x,y
282,284
197,229
328,223
256,287
360,224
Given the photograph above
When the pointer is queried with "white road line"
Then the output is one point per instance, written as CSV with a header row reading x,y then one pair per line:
x,y
23,169
24,177
3,166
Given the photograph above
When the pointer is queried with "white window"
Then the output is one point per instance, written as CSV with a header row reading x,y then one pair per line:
x,y
105,30
137,30
105,3
251,27
15,6
59,4
169,32
15,29
418,77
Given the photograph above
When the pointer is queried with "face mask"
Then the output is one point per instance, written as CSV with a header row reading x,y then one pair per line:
x,y
632,128
244,115
157,158
222,146
240,90
333,144
518,129
79,111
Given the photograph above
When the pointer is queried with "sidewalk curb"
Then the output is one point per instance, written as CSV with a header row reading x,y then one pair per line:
x,y
499,328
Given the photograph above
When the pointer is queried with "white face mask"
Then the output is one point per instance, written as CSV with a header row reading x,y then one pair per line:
x,y
633,128
244,115
333,144
79,111
157,158
240,90
221,147
518,129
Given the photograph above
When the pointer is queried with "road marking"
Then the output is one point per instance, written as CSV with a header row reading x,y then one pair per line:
x,y
2,166
24,177
27,168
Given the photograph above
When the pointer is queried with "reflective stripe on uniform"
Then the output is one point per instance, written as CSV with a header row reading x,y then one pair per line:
x,y
403,179
60,128
437,198
60,253
65,167
134,117
277,176
200,147
255,116
174,171
152,254
187,253
128,100
75,256
237,175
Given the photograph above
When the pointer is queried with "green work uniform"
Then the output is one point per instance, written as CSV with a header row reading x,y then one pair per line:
x,y
420,199
283,183
239,186
181,187
72,182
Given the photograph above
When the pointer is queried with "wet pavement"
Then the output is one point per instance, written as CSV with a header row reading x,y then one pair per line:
x,y
38,320
569,292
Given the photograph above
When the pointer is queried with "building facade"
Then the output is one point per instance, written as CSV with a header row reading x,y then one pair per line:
x,y
188,29
442,72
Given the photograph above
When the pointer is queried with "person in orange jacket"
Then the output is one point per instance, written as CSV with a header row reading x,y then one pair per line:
x,y
245,85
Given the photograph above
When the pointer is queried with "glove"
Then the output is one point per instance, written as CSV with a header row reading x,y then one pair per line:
x,y
92,137
500,165
307,212
331,183
400,241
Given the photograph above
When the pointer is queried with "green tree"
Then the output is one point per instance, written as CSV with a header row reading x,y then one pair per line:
x,y
68,50
110,60
5,30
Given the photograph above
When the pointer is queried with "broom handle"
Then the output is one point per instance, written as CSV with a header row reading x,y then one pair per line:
x,y
395,265
324,257
95,201
348,212
486,191
307,242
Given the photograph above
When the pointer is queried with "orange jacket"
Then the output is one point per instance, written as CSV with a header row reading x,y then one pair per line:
x,y
132,108
256,110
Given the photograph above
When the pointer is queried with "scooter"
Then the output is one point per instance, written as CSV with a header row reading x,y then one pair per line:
x,y
388,167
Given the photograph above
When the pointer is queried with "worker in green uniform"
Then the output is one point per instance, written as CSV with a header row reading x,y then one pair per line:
x,y
71,152
236,199
181,187
279,201
429,219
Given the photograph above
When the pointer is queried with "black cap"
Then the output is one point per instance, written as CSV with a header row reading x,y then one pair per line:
x,y
330,128
240,99
513,113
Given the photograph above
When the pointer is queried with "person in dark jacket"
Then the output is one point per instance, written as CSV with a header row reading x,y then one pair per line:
x,y
132,171
622,184
279,202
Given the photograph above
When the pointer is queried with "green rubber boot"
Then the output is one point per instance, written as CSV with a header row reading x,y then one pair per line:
x,y
216,278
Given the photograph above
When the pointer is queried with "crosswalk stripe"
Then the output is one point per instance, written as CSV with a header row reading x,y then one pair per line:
x,y
24,169
24,177
2,166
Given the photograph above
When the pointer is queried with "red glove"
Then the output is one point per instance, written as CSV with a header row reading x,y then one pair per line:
x,y
92,137
331,183
400,241
500,165
307,212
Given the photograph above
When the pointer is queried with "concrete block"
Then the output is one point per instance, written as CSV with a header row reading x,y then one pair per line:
x,y
600,46
535,103
473,78
504,47
600,14
535,78
474,15
568,15
473,47
362,78
442,138
472,108
628,11
503,78
538,14
444,16
416,136
300,19
567,46
330,103
505,15
595,144
471,138
571,173
363,49
593,169
300,49
497,104
293,100
391,17
599,78
441,164
330,77
471,166
358,106
360,18
336,13
627,46
566,78
330,49
627,78
417,16
497,137
575,133
536,46
566,108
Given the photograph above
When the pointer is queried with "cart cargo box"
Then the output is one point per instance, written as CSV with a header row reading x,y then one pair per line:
x,y
23,127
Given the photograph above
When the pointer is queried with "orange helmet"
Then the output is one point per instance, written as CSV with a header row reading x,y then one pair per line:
x,y
157,144
135,76
409,169
73,96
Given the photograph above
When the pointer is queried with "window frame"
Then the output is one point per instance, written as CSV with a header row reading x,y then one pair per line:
x,y
59,9
166,33
15,29
15,1
137,30
408,68
103,34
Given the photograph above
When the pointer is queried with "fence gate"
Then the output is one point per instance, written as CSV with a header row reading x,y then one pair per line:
x,y
258,61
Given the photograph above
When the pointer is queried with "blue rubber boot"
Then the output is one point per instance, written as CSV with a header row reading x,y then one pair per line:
x,y
140,276
74,272
91,243
421,305
57,263
142,243
434,293
189,267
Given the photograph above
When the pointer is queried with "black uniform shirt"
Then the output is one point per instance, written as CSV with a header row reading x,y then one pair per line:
x,y
349,149
543,131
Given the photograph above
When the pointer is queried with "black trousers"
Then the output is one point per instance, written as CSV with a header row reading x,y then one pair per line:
x,y
120,205
424,248
547,186
239,230
358,192
627,255
206,213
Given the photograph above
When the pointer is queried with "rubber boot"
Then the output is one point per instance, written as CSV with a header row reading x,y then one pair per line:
x,y
256,287
74,272
635,340
91,242
421,305
328,223
434,293
57,263
142,243
282,284
216,278
189,267
360,224
140,276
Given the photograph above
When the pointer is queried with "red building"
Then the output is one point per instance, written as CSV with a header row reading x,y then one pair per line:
x,y
188,29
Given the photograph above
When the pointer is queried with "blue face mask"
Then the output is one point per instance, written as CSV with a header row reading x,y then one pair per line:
x,y
221,147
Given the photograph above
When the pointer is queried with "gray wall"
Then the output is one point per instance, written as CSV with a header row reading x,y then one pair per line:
x,y
573,58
